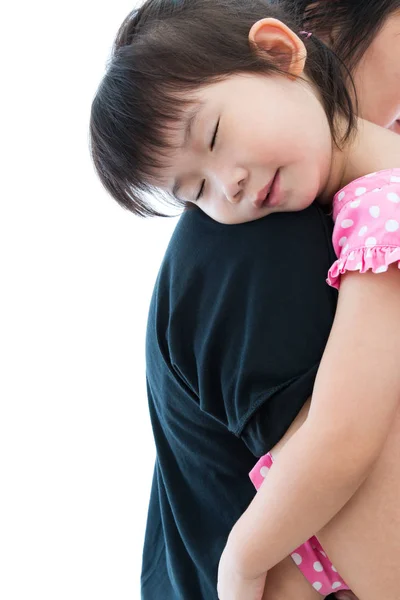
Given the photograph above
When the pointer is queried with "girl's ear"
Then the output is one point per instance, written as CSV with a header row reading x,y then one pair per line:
x,y
274,38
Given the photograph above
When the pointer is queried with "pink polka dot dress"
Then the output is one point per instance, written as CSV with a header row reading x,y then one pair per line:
x,y
366,236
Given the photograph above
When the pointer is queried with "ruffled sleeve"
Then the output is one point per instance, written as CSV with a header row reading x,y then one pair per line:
x,y
366,235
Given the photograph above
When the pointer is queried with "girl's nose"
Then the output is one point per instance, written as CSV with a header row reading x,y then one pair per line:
x,y
233,183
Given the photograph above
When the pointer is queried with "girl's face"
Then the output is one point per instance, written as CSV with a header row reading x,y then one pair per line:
x,y
377,77
250,136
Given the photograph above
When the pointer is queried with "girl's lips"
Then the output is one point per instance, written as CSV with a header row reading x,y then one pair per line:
x,y
262,194
395,126
274,192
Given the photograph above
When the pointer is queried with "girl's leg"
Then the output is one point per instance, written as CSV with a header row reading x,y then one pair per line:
x,y
286,582
363,539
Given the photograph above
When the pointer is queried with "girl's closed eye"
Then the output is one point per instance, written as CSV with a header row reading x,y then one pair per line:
x,y
214,139
199,195
212,145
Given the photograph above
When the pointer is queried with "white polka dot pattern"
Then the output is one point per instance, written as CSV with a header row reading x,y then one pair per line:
x,y
368,209
317,585
297,558
346,223
363,231
392,225
393,197
374,211
360,191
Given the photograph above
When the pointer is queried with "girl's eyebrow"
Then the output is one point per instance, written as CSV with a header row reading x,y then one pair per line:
x,y
189,125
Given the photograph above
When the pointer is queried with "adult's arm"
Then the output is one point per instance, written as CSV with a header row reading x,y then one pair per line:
x,y
356,395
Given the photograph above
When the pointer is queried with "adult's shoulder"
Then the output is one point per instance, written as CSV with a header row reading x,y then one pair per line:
x,y
287,241
241,314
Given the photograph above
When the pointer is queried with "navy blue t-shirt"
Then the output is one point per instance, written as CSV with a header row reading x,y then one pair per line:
x,y
238,322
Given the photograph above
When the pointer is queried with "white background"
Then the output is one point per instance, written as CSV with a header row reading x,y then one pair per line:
x,y
77,272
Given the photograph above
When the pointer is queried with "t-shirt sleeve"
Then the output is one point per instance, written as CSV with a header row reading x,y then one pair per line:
x,y
366,235
249,314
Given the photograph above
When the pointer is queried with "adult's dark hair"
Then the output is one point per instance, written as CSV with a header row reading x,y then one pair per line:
x,y
167,47
349,25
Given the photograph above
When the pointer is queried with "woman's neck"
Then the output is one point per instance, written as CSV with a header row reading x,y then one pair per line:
x,y
371,149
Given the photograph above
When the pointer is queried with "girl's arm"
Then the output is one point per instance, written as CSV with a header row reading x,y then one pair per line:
x,y
356,395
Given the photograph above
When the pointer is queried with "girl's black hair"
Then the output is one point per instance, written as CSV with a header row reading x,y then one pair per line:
x,y
168,47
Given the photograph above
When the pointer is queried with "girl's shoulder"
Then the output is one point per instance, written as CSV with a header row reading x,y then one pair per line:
x,y
366,234
372,186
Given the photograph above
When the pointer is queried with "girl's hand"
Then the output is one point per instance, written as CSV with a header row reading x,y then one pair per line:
x,y
232,585
345,596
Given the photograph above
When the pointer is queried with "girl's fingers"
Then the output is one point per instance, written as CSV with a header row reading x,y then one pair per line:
x,y
345,596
